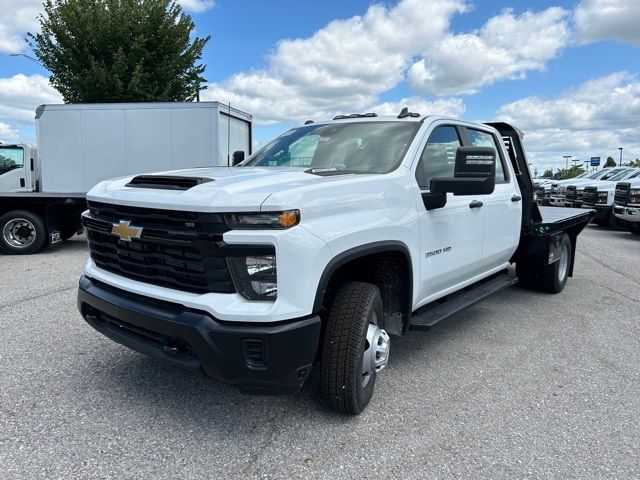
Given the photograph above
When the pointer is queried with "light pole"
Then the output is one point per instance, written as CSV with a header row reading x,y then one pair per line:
x,y
34,60
620,148
566,158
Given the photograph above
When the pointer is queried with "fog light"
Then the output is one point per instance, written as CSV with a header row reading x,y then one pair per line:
x,y
255,276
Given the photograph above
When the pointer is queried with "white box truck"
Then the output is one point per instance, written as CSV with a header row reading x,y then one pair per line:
x,y
42,189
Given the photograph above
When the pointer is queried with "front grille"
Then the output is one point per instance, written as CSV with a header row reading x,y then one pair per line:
x,y
179,250
622,193
570,194
590,197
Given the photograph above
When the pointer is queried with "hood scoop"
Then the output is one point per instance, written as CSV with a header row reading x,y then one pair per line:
x,y
167,182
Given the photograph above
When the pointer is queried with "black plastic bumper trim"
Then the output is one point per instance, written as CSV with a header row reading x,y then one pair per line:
x,y
195,340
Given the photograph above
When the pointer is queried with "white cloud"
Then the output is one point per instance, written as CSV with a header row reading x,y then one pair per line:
x,y
506,47
17,17
343,67
7,132
608,20
197,6
593,119
21,94
451,107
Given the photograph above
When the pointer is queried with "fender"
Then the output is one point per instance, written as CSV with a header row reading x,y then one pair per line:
x,y
353,254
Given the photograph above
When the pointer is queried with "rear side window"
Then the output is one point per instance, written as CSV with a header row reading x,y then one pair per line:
x,y
439,156
483,139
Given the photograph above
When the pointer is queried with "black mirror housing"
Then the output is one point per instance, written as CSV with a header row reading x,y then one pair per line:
x,y
237,157
474,173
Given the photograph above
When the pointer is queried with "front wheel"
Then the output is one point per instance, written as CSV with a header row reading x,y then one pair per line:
x,y
355,348
634,227
21,232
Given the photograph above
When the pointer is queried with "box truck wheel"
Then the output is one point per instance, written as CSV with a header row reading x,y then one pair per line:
x,y
21,232
355,348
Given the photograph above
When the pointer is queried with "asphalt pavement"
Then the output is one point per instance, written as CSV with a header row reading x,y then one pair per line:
x,y
523,385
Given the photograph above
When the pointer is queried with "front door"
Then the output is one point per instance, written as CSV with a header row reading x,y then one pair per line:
x,y
451,237
13,176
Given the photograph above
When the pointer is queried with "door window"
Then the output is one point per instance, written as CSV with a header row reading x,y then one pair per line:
x,y
479,138
439,156
11,158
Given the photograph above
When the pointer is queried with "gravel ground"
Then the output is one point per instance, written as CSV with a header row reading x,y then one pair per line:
x,y
522,385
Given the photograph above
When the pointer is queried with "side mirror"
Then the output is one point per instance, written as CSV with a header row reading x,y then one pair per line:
x,y
237,157
474,173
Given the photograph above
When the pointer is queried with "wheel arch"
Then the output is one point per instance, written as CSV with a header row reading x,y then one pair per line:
x,y
378,263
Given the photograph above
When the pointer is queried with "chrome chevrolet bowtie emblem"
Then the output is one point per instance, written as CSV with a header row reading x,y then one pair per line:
x,y
126,231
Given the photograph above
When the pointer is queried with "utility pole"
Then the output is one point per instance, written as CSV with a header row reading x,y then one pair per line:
x,y
620,155
566,161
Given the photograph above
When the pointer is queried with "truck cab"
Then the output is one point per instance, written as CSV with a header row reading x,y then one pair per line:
x,y
18,167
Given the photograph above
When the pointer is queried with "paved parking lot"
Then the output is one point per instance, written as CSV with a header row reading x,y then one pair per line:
x,y
523,385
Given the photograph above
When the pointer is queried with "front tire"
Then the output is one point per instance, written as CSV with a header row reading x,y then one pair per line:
x,y
21,232
634,227
355,348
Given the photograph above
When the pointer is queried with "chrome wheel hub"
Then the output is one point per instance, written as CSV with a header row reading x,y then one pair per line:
x,y
19,233
563,267
376,352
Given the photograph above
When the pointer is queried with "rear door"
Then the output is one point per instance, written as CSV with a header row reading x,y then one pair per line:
x,y
450,237
502,209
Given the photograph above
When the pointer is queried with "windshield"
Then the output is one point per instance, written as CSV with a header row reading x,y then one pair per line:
x,y
356,147
10,159
598,174
616,175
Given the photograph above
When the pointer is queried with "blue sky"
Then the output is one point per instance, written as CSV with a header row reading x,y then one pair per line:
x,y
565,72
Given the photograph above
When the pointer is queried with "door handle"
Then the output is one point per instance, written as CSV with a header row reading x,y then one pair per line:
x,y
516,198
475,204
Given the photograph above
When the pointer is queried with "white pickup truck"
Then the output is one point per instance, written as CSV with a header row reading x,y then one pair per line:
x,y
321,246
574,192
626,205
600,197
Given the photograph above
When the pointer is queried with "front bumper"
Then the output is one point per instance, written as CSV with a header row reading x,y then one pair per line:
x,y
256,358
603,212
630,214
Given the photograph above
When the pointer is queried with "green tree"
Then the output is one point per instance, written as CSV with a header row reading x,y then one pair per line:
x,y
547,174
119,50
610,162
635,163
571,172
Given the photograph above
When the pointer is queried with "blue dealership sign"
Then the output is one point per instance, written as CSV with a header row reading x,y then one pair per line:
x,y
595,161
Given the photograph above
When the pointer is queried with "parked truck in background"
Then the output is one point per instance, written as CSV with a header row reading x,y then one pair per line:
x,y
626,206
326,242
600,197
42,190
574,192
558,188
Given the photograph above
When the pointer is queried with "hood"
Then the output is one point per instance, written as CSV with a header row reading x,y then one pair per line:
x,y
227,189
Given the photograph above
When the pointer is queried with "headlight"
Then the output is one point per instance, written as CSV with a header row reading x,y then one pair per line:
x,y
603,197
634,196
255,276
580,194
279,220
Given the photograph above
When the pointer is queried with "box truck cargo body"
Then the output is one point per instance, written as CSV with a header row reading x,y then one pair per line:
x,y
80,145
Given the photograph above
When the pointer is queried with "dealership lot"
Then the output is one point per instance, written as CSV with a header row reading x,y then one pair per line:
x,y
521,385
